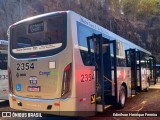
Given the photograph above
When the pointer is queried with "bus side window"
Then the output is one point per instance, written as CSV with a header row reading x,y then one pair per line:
x,y
83,33
128,59
3,61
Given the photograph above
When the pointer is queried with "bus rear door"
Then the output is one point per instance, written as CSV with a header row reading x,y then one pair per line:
x,y
131,62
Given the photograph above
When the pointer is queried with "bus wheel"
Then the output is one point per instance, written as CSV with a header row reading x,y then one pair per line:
x,y
122,97
147,89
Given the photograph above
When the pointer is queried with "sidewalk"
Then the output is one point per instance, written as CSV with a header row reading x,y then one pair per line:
x,y
156,86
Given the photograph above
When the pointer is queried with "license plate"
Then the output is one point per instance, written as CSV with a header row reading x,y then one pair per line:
x,y
33,88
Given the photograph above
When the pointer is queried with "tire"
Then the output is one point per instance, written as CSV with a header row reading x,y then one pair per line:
x,y
122,97
147,89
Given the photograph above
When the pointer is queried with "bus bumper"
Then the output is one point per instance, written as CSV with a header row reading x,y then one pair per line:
x,y
64,107
36,105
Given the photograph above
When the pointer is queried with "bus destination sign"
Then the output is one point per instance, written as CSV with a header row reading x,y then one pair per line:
x,y
36,27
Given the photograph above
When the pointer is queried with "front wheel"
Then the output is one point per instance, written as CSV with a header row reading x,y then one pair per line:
x,y
122,97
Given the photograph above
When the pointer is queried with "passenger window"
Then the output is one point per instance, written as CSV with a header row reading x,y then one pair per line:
x,y
3,61
83,33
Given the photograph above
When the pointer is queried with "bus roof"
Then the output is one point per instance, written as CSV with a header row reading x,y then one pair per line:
x,y
39,16
111,35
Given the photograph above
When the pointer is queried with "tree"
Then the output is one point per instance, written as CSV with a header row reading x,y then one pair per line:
x,y
129,8
148,8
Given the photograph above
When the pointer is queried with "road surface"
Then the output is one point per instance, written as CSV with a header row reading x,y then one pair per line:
x,y
146,102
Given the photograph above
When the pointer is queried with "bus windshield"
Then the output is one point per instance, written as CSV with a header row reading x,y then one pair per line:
x,y
43,37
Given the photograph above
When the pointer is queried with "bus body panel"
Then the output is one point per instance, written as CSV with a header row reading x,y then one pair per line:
x,y
145,75
85,69
84,75
3,70
124,77
46,78
4,85
50,80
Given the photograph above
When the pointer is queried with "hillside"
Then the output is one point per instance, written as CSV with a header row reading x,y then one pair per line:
x,y
120,17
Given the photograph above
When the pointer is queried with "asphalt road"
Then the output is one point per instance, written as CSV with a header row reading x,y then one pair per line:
x,y
145,102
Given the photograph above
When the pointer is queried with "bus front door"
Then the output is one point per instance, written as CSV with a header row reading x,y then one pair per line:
x,y
105,69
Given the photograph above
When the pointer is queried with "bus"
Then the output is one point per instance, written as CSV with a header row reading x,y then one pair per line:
x,y
3,70
157,72
153,71
61,61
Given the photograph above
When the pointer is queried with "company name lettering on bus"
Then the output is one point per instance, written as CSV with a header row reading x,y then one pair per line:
x,y
48,73
90,24
53,73
17,75
50,46
27,48
44,73
3,77
20,75
23,74
19,49
36,27
35,47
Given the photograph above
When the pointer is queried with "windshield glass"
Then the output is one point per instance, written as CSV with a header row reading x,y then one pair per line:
x,y
40,35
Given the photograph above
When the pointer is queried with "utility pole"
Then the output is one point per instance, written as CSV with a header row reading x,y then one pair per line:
x,y
110,24
20,9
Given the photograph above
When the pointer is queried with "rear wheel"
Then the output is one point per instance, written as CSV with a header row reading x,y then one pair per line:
x,y
147,88
122,97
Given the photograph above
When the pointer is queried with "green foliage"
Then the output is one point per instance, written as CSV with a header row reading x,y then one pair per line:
x,y
129,7
114,6
148,8
140,9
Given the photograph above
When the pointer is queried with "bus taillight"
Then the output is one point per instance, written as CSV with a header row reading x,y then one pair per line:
x,y
66,79
9,80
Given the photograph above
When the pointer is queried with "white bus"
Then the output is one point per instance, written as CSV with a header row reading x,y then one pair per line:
x,y
3,70
61,61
